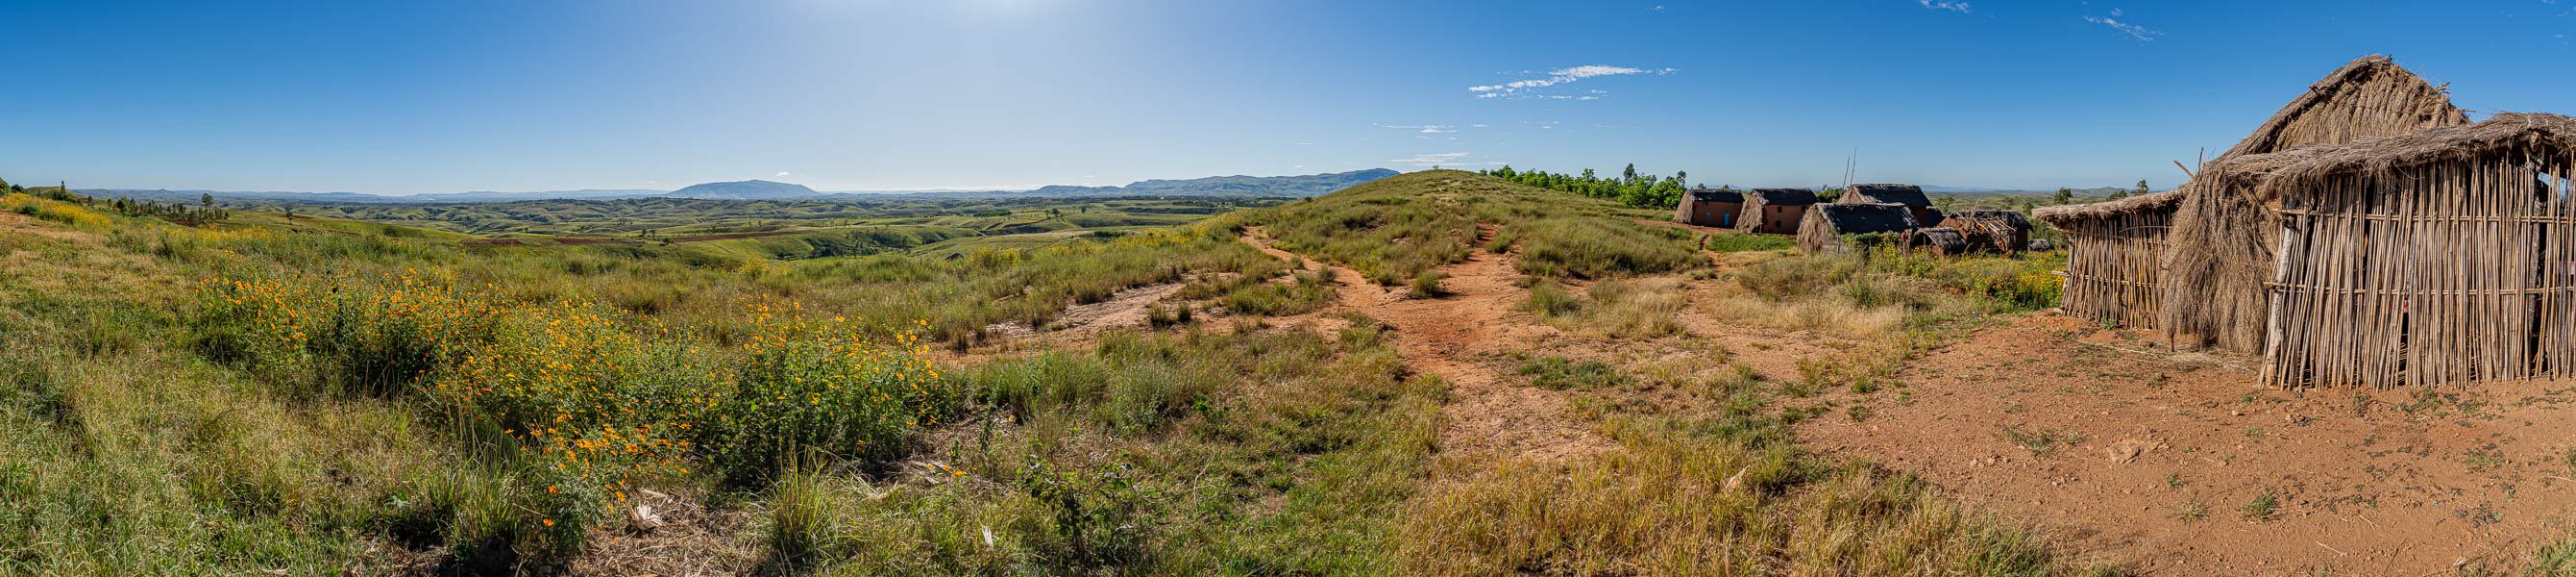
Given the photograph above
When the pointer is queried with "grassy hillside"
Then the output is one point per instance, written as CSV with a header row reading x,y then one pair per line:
x,y
1394,229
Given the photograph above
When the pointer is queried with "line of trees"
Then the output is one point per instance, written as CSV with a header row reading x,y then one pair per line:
x,y
1630,188
205,210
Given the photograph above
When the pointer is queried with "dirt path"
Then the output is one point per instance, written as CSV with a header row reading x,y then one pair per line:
x,y
2161,463
1124,308
1461,337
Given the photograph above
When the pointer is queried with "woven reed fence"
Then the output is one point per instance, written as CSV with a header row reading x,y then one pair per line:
x,y
2444,273
2113,268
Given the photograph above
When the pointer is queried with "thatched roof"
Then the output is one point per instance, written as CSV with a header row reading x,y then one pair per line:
x,y
2219,256
1905,194
1783,196
2005,218
2506,132
1716,195
1856,218
2370,96
1945,239
2066,215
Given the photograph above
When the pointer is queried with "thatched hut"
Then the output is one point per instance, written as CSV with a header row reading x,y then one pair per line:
x,y
2222,240
1990,230
1822,231
1905,194
1774,210
1709,207
1941,240
2115,252
2441,256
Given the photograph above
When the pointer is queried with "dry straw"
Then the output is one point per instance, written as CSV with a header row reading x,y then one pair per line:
x,y
2223,239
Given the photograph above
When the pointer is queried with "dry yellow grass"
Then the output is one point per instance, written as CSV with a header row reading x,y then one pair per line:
x,y
1680,503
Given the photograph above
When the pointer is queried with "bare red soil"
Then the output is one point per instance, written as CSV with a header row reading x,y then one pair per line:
x,y
2158,461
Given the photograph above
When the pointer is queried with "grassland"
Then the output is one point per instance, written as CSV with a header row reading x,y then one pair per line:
x,y
317,393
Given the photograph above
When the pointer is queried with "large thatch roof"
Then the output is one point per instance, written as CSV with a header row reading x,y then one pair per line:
x,y
2370,96
2221,242
1716,195
2068,214
1905,194
2287,171
1784,195
1856,218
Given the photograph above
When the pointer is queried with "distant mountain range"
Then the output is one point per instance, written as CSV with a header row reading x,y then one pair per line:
x,y
1214,186
745,190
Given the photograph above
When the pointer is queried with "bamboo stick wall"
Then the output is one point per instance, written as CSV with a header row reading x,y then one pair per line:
x,y
2114,267
2446,273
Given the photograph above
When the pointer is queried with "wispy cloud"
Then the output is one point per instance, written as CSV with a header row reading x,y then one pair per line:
x,y
1959,7
1443,159
1529,88
781,174
2141,33
1657,8
1431,159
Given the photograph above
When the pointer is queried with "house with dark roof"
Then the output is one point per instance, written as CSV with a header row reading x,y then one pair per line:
x,y
1905,194
1774,210
1825,224
1715,207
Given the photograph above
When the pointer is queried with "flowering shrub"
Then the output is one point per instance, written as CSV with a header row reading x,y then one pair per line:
x,y
806,387
53,210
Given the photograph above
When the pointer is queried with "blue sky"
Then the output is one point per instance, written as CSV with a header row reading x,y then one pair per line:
x,y
451,96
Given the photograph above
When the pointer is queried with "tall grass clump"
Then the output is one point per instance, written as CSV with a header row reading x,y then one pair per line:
x,y
1262,451
1627,308
1305,291
1592,248
2020,283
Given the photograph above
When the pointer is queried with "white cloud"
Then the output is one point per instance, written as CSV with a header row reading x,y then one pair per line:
x,y
2141,33
1431,159
780,174
1475,126
1526,88
1959,7
1657,8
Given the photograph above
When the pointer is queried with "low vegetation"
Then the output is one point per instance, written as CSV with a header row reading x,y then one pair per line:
x,y
326,394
